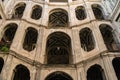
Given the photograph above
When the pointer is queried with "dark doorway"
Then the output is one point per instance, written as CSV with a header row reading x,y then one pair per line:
x,y
58,48
19,10
95,72
9,33
116,65
108,37
86,39
36,12
30,39
0,17
98,11
1,64
80,13
58,76
21,73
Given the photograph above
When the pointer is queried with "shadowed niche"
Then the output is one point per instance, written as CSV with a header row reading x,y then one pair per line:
x,y
109,38
8,36
95,72
86,39
98,12
19,10
58,18
58,76
1,64
58,48
21,73
116,66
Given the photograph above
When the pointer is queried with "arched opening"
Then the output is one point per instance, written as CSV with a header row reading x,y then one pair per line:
x,y
58,18
58,48
116,66
80,13
0,17
7,38
98,12
36,12
19,10
30,40
87,39
21,73
58,76
108,37
1,64
95,72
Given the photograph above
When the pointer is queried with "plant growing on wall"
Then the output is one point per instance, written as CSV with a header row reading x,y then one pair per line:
x,y
4,48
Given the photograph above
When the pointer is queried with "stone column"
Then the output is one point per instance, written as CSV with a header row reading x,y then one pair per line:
x,y
109,70
69,1
6,72
37,75
45,15
81,72
71,15
28,10
17,41
39,54
33,73
90,11
9,7
76,46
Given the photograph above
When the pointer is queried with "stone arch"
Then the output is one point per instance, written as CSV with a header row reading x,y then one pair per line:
x,y
8,35
21,72
95,72
58,18
108,37
98,12
36,12
116,66
87,39
58,48
58,75
30,40
18,10
80,13
1,64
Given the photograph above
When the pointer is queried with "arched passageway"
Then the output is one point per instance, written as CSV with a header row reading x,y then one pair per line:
x,y
30,40
95,72
1,64
98,12
7,38
18,11
58,48
36,12
116,65
21,73
58,76
58,18
87,39
80,13
109,37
